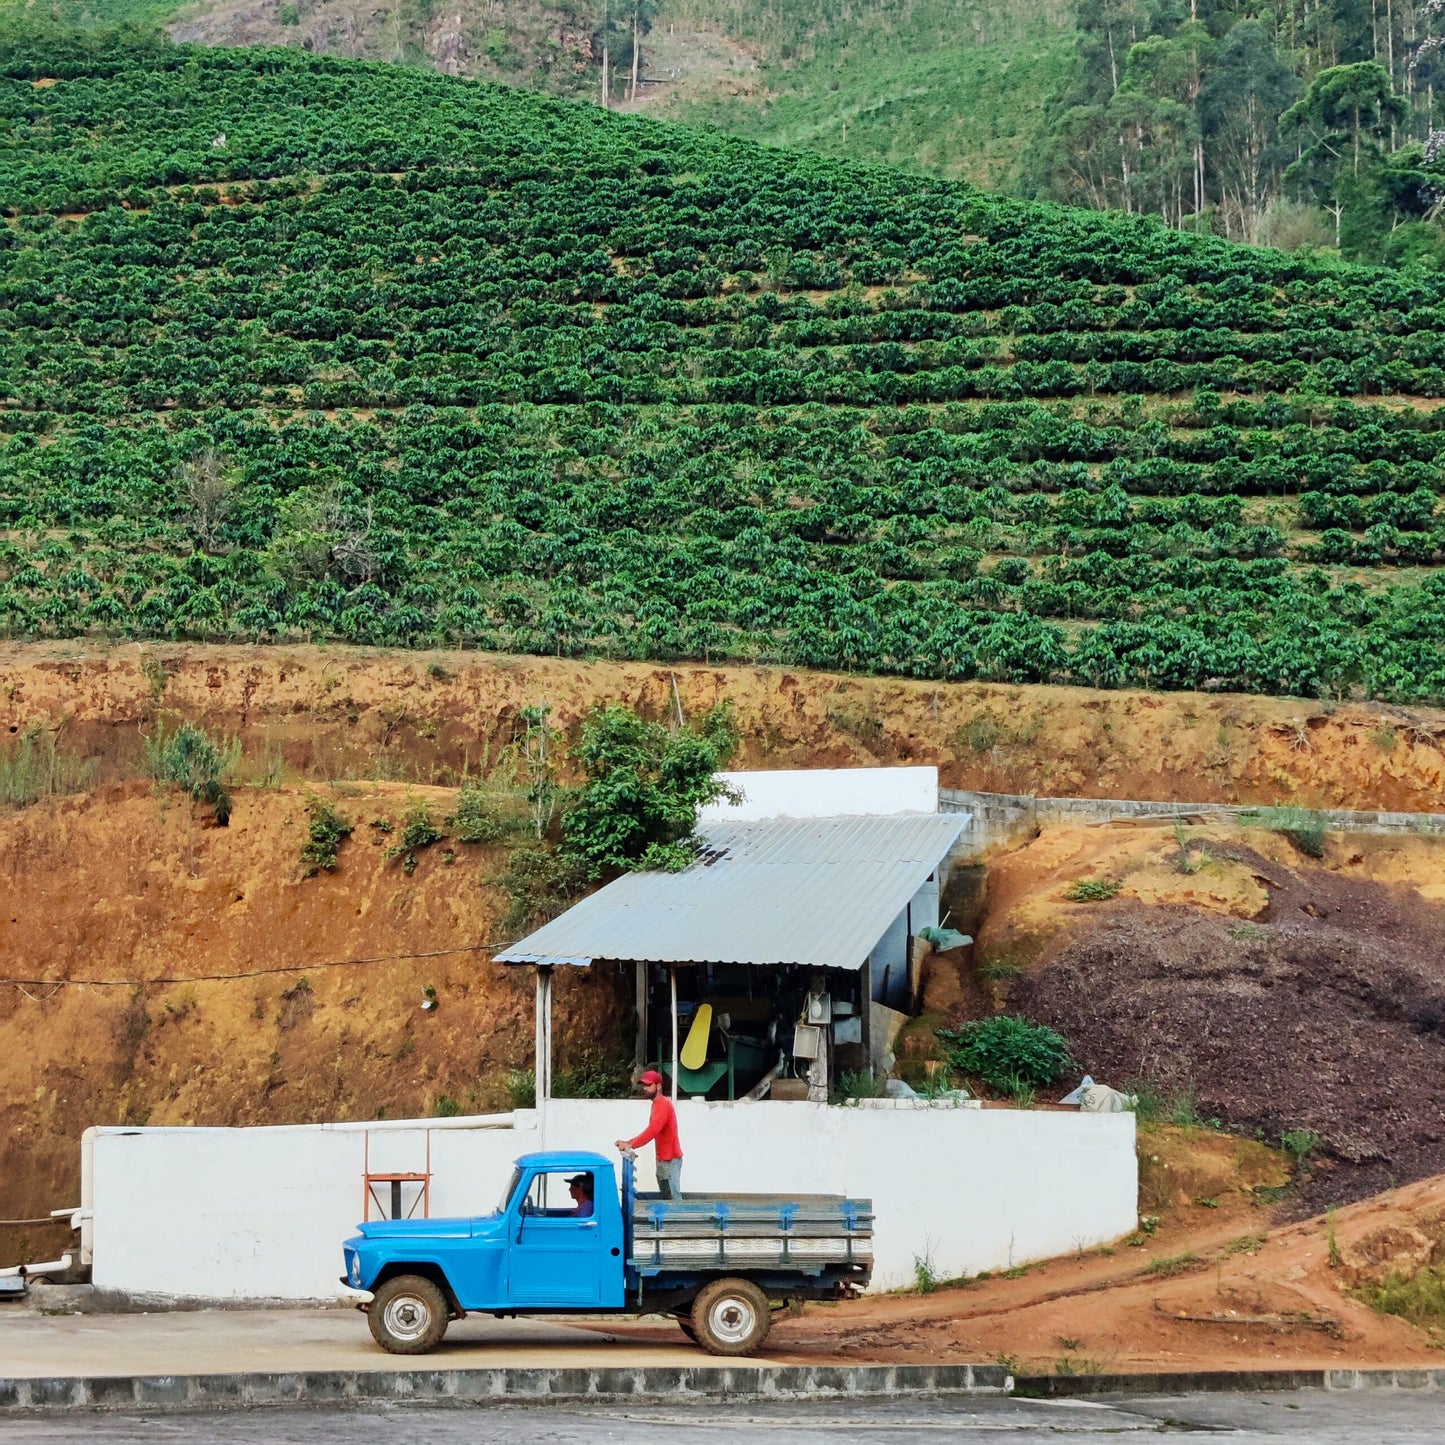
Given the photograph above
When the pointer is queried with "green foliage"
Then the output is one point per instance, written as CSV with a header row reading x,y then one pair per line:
x,y
962,437
446,1107
1418,1298
1305,830
521,1086
35,767
1092,890
539,883
1172,1265
477,818
644,785
859,1084
925,1274
596,1074
1008,1053
327,830
191,761
1299,1144
418,832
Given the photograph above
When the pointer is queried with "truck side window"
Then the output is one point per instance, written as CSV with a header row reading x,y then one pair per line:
x,y
561,1195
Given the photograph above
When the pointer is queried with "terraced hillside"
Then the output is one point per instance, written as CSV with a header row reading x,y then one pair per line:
x,y
298,348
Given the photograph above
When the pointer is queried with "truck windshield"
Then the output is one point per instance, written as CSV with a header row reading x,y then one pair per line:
x,y
511,1189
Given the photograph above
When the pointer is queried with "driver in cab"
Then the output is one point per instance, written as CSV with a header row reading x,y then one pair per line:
x,y
579,1186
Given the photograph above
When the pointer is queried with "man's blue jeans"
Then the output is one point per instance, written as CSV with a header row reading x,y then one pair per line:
x,y
669,1178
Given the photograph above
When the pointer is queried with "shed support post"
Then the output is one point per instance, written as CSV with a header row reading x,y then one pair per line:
x,y
676,1058
640,1054
543,1051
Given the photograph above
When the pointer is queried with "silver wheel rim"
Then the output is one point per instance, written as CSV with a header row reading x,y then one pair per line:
x,y
733,1319
407,1317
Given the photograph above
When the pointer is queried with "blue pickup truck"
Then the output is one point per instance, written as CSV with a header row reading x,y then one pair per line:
x,y
565,1239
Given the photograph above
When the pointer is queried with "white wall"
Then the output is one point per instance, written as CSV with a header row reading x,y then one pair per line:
x,y
235,1213
826,793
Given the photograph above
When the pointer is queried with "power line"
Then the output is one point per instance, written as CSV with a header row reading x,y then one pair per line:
x,y
247,973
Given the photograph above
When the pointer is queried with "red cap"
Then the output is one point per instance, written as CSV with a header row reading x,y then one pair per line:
x,y
650,1077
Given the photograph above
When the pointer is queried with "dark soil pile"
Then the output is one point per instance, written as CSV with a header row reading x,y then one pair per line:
x,y
1327,1013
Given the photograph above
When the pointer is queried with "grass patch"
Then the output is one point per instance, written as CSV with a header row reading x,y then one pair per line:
x,y
1419,1299
1092,890
1171,1265
34,767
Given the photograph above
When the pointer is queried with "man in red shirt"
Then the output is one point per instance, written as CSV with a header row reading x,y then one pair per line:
x,y
662,1127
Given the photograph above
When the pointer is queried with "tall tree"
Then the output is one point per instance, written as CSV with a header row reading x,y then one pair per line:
x,y
1240,102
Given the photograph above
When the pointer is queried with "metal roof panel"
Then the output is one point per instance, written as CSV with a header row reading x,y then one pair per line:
x,y
816,892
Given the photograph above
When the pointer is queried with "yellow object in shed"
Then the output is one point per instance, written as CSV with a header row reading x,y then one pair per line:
x,y
694,1051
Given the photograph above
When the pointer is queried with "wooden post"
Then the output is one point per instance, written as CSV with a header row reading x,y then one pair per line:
x,y
640,1053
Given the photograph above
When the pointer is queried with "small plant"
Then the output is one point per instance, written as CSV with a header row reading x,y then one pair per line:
x,y
1021,1094
1092,890
446,1107
1148,1224
1065,1343
1331,1240
925,1278
418,832
189,759
1303,829
521,1087
1171,1264
1418,1298
1189,862
860,1084
325,835
1245,1244
1006,1051
980,734
474,821
381,825
1299,1144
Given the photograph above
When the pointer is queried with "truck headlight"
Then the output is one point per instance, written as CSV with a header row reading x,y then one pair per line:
x,y
354,1273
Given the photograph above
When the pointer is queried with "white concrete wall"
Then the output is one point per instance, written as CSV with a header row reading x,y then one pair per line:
x,y
826,793
237,1213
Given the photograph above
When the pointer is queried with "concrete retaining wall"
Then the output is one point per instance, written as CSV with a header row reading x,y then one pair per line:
x,y
1002,817
261,1213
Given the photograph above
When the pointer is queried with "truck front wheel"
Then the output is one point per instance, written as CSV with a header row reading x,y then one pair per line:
x,y
408,1316
731,1317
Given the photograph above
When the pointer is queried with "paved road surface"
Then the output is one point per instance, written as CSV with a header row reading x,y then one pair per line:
x,y
1369,1417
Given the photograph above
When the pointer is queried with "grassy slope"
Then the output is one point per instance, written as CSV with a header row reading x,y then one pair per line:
x,y
956,88
512,370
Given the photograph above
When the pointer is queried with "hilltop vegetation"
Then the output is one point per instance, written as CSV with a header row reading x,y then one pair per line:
x,y
309,349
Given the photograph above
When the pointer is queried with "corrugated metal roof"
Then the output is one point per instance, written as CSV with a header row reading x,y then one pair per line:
x,y
819,892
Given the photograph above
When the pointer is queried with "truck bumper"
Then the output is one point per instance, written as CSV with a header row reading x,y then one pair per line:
x,y
358,1297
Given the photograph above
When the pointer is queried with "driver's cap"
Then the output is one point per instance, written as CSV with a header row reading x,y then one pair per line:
x,y
650,1077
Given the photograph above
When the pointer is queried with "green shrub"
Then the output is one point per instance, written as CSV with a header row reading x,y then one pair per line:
x,y
325,835
1092,890
191,761
859,1084
539,883
418,832
597,1074
475,819
521,1086
446,1107
1299,1144
1008,1053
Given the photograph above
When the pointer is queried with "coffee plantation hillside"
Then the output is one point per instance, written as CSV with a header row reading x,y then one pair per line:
x,y
299,348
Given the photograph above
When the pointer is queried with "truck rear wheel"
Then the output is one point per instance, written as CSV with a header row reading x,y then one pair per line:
x,y
731,1317
409,1315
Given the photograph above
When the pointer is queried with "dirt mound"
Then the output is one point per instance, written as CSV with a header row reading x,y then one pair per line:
x,y
1325,1013
1215,1286
127,883
340,712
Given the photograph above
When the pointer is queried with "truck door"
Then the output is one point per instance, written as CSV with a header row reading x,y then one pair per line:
x,y
557,1247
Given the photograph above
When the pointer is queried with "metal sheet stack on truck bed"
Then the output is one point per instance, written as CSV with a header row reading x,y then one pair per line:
x,y
566,1239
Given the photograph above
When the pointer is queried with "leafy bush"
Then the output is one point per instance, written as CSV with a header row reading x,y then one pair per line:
x,y
327,831
194,763
1007,1052
417,833
476,819
644,785
1092,890
539,883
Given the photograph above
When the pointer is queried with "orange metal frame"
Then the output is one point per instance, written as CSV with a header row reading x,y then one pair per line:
x,y
370,1180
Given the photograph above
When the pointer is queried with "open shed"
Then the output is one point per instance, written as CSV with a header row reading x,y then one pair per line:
x,y
781,958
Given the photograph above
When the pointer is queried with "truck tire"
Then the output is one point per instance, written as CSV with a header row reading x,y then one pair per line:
x,y
731,1317
409,1315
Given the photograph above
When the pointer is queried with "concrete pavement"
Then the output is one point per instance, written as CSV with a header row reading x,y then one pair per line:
x,y
207,1342
1302,1418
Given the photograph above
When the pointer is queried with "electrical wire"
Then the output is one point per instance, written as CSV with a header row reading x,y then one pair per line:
x,y
59,983
46,1220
